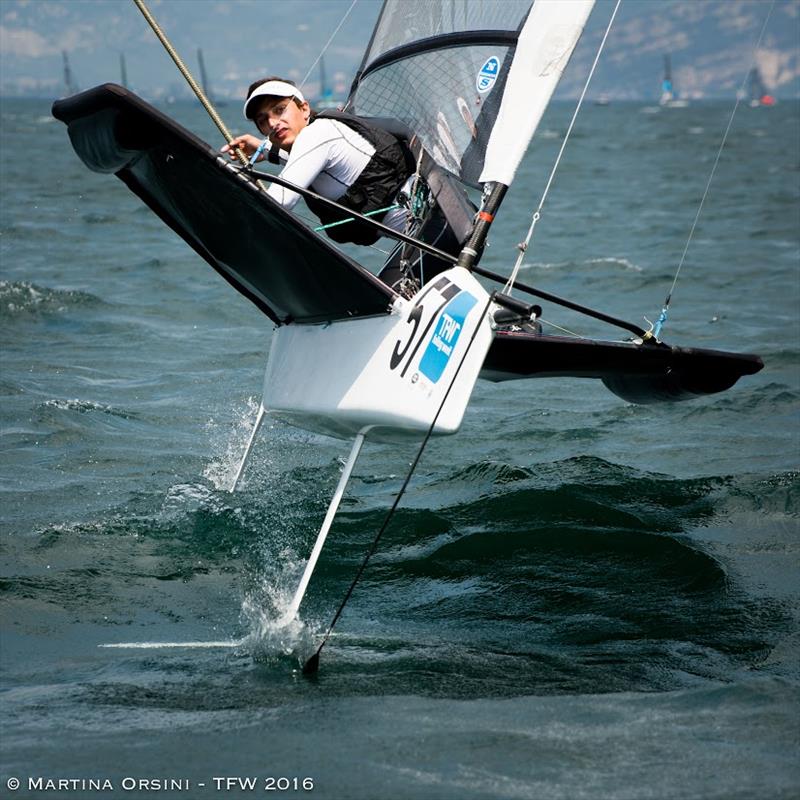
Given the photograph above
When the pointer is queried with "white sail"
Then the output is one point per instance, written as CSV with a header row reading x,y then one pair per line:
x,y
543,50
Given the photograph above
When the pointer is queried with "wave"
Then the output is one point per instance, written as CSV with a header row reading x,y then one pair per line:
x,y
578,575
577,498
495,472
772,398
10,388
624,263
97,218
544,266
776,495
21,297
88,406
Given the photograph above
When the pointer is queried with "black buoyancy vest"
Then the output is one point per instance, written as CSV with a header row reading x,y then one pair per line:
x,y
375,188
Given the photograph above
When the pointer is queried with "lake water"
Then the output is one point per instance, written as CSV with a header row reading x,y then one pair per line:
x,y
578,597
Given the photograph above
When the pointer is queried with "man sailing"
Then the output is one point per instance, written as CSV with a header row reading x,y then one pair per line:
x,y
338,156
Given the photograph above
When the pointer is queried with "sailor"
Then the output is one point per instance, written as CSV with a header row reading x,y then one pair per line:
x,y
338,156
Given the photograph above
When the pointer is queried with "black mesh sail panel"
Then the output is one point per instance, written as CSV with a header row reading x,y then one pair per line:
x,y
404,22
440,68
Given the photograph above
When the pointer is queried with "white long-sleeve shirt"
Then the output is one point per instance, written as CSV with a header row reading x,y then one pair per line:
x,y
327,157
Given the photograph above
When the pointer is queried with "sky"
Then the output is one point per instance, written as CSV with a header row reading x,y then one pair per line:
x,y
711,42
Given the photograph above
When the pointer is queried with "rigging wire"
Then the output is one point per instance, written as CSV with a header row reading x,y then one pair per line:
x,y
327,44
659,324
560,328
523,246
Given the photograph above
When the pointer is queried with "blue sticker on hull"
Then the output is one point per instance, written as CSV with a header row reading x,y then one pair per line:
x,y
445,336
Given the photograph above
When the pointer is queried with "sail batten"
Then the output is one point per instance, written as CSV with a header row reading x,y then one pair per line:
x,y
460,39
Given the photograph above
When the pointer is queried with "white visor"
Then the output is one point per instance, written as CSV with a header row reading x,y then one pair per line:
x,y
271,89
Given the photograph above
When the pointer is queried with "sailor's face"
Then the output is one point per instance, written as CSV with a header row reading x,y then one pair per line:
x,y
281,119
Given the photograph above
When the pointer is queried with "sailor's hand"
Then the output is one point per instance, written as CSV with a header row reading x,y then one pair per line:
x,y
246,143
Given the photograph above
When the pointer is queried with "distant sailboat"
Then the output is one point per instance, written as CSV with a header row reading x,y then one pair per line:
x,y
204,81
759,96
70,84
668,97
325,99
123,72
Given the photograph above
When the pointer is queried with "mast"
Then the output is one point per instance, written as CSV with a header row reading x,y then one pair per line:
x,y
471,251
123,72
759,96
69,80
666,85
203,76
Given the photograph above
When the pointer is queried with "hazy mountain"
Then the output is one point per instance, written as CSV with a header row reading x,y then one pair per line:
x,y
711,45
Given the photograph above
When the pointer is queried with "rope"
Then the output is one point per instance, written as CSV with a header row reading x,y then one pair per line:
x,y
523,246
312,224
739,94
352,219
190,80
327,44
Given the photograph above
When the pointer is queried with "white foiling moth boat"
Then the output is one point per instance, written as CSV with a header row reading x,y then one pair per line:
x,y
465,85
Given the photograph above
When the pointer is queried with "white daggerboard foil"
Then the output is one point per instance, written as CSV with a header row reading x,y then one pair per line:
x,y
387,374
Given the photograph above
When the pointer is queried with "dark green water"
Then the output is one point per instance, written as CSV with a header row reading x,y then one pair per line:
x,y
578,598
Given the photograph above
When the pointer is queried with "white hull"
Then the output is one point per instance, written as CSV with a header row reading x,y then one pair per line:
x,y
384,375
